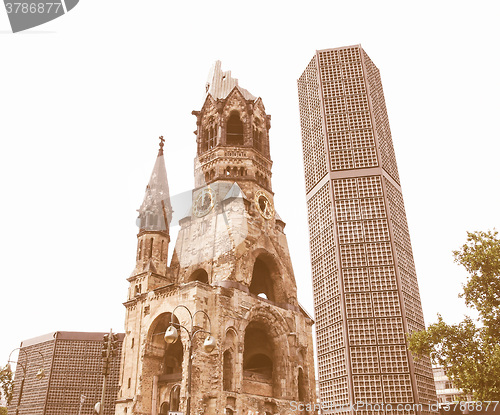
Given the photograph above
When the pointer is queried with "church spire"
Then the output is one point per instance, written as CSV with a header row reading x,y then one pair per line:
x,y
155,212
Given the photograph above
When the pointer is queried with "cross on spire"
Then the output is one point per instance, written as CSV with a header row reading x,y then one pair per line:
x,y
162,142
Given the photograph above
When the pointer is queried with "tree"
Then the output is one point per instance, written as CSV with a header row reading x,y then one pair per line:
x,y
470,352
7,383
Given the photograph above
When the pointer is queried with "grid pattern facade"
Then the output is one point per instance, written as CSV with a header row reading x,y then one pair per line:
x,y
34,391
73,367
312,127
365,286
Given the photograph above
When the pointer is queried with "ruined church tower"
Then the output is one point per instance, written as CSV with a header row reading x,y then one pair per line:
x,y
230,261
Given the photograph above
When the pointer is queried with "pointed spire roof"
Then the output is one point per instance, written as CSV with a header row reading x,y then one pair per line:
x,y
220,84
155,212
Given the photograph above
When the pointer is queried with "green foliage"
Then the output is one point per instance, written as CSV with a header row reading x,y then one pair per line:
x,y
471,354
7,383
481,258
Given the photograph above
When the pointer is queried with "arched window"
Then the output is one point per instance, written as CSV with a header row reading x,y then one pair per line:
x,y
258,361
257,139
234,131
150,247
137,290
227,374
172,354
301,386
199,275
175,394
262,281
164,408
172,361
212,137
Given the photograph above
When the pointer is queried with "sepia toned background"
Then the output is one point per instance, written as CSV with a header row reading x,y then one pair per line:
x,y
85,97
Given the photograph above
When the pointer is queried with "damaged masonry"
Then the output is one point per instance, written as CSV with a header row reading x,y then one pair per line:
x,y
230,267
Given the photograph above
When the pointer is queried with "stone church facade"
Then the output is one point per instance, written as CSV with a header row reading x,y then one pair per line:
x,y
230,261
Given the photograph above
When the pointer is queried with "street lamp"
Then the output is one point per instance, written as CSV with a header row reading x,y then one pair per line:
x,y
172,334
40,373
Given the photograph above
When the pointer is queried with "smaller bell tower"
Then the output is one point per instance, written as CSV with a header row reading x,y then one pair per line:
x,y
155,215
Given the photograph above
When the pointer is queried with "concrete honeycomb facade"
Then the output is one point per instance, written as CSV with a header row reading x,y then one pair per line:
x,y
230,260
73,364
365,286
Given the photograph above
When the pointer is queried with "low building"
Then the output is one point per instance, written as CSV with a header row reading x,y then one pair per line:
x,y
445,390
72,381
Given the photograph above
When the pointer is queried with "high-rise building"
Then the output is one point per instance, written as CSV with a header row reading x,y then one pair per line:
x,y
230,268
366,295
72,383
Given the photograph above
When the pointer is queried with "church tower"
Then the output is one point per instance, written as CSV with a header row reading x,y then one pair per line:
x,y
230,270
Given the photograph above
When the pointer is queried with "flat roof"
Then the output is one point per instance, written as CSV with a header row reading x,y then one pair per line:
x,y
68,335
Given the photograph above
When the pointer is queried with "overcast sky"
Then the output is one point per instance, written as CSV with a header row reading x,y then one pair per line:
x,y
85,97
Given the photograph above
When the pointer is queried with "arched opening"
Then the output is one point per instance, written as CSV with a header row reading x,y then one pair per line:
x,y
262,280
257,138
164,359
199,275
227,374
204,141
164,408
234,132
258,361
175,395
301,386
229,360
172,361
211,137
139,251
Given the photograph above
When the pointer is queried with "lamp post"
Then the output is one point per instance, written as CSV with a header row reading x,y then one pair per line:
x,y
40,374
172,334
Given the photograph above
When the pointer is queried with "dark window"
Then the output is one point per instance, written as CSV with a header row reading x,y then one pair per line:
x,y
258,353
302,386
234,132
175,398
228,370
262,280
199,275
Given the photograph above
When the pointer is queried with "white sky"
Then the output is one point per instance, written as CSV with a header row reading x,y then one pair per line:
x,y
85,97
